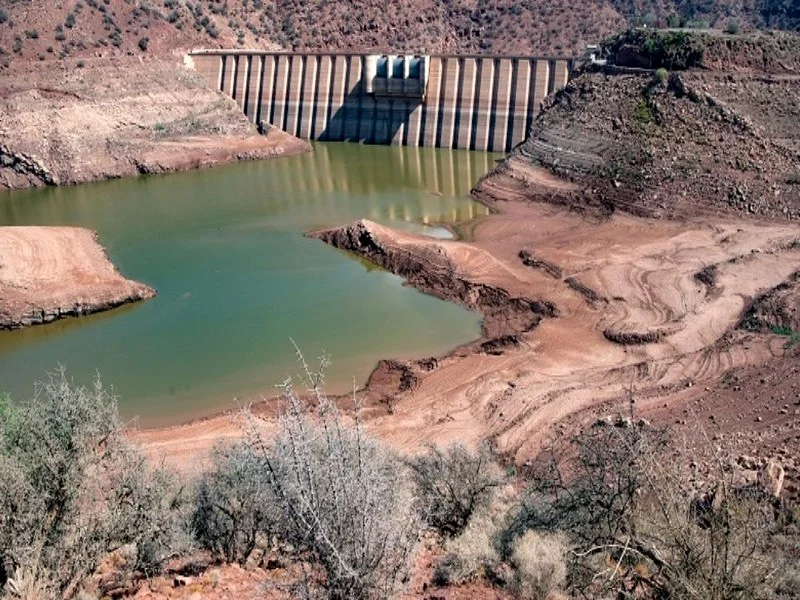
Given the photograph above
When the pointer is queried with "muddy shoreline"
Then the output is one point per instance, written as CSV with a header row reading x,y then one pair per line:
x,y
544,362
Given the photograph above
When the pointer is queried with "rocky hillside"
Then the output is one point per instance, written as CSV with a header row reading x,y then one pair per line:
x,y
42,29
659,143
74,121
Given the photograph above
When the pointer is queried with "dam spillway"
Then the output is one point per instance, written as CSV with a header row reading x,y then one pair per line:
x,y
465,102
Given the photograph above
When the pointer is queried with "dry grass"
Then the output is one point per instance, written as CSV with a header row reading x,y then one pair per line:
x,y
541,571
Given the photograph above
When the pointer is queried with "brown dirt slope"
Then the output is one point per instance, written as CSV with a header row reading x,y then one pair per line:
x,y
51,272
64,123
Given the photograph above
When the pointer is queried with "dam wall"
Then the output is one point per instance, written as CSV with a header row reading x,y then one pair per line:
x,y
466,102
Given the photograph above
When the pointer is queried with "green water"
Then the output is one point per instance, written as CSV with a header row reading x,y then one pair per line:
x,y
236,279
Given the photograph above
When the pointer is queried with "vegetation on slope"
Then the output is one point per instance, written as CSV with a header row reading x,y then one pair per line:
x,y
83,513
41,30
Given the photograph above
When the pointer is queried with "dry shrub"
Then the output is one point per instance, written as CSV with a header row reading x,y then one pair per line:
x,y
234,507
72,489
476,551
453,483
346,503
640,524
540,567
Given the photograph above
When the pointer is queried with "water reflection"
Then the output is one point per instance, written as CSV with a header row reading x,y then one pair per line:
x,y
237,278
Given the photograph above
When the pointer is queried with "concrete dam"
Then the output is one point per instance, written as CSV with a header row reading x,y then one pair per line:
x,y
467,102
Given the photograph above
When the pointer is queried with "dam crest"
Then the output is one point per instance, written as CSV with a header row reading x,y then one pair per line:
x,y
465,102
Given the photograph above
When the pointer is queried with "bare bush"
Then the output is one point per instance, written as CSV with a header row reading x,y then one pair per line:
x,y
590,489
657,530
452,484
346,504
72,489
540,565
234,504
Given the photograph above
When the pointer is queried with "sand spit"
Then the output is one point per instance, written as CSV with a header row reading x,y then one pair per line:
x,y
47,273
539,372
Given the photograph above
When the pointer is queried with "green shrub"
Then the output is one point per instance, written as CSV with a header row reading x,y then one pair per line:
x,y
662,75
673,50
453,483
793,179
72,489
144,42
644,113
732,27
3,15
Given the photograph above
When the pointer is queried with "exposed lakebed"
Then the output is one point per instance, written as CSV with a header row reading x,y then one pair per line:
x,y
237,279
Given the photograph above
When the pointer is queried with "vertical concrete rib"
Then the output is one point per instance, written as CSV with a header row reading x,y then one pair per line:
x,y
267,87
230,74
305,109
352,100
502,102
239,86
322,100
449,96
465,109
398,126
335,122
254,87
413,126
561,74
519,112
295,93
280,92
485,93
432,102
368,110
541,84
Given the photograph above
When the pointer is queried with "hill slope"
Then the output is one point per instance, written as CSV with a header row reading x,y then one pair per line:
x,y
41,29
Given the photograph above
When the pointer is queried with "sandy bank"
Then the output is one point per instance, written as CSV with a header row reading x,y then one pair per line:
x,y
67,122
626,311
51,272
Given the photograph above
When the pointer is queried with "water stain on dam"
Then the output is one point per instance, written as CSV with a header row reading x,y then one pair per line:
x,y
237,278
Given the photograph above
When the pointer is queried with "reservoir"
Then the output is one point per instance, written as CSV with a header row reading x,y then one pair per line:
x,y
237,280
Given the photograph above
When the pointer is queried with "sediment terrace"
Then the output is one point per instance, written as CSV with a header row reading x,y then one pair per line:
x,y
79,121
467,102
47,273
520,385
